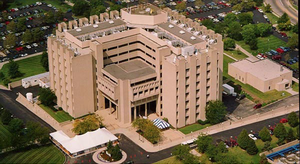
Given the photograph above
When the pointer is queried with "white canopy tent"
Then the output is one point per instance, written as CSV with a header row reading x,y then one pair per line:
x,y
85,141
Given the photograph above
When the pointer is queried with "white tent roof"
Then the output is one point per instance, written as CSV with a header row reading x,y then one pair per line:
x,y
84,141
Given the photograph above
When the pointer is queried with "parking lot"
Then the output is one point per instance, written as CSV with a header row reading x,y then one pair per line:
x,y
34,15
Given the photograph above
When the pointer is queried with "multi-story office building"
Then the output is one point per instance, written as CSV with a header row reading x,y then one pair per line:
x,y
144,60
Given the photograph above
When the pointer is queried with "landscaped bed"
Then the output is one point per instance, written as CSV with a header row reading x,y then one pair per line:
x,y
192,128
235,54
59,116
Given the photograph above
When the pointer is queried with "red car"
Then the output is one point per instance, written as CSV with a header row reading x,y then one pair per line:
x,y
19,49
256,8
12,10
283,34
7,22
257,106
279,50
283,120
276,57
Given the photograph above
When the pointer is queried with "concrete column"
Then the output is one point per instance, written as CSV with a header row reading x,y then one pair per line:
x,y
134,113
110,109
146,106
116,113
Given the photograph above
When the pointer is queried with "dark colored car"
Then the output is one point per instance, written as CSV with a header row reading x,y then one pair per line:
x,y
256,135
240,97
257,106
276,57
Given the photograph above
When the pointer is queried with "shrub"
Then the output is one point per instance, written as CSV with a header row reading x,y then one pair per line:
x,y
203,122
280,131
265,135
252,148
293,119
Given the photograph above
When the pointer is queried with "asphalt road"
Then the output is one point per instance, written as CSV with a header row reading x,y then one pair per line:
x,y
8,101
281,6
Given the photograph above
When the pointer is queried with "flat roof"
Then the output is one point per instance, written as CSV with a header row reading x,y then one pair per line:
x,y
262,69
101,26
175,30
130,69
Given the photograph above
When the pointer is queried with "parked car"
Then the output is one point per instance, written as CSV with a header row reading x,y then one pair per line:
x,y
276,57
268,53
28,47
296,58
260,10
291,61
284,48
283,120
23,55
257,106
273,52
240,97
256,135
279,50
252,137
260,57
283,34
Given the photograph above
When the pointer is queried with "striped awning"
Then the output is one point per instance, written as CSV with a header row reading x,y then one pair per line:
x,y
161,124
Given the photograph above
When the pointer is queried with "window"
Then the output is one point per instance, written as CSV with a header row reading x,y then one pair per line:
x,y
269,87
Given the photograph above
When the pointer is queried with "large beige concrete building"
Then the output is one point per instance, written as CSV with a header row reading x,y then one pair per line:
x,y
264,75
145,60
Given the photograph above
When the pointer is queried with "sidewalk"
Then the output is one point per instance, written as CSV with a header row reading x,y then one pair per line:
x,y
230,57
227,125
245,52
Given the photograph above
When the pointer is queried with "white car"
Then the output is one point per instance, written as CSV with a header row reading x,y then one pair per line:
x,y
28,47
260,57
9,17
23,55
210,17
49,5
35,45
265,17
260,10
252,137
215,20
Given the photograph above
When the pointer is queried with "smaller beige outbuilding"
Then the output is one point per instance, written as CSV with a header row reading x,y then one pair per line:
x,y
264,75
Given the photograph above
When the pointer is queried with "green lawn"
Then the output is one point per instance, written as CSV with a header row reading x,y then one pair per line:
x,y
295,86
226,60
44,154
264,44
60,116
4,133
235,54
192,128
28,67
170,160
273,19
57,3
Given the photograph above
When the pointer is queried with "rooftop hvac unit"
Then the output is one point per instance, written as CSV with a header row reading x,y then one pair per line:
x,y
111,22
181,32
78,29
193,38
171,26
95,25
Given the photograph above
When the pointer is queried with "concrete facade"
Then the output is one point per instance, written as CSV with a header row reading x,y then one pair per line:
x,y
170,65
264,75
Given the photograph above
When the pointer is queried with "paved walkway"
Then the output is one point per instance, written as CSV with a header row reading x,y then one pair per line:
x,y
291,91
245,52
227,125
32,55
230,57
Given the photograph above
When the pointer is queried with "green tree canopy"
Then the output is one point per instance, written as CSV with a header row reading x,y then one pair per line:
x,y
258,2
229,43
251,147
243,139
295,28
13,69
253,44
36,133
199,2
245,18
46,96
89,123
180,6
10,40
268,8
264,29
12,26
283,19
265,134
15,126
27,36
5,117
37,34
44,61
280,131
263,159
293,119
234,30
215,111
293,42
203,141
208,23
181,151
290,135
221,148
229,18
21,25
248,33
98,10
267,146
80,7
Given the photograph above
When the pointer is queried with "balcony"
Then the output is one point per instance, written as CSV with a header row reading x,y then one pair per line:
x,y
145,90
107,87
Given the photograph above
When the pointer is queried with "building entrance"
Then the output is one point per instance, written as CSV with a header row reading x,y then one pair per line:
x,y
143,110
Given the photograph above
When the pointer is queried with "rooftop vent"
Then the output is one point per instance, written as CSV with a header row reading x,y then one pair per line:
x,y
193,38
181,32
111,22
78,30
95,25
171,26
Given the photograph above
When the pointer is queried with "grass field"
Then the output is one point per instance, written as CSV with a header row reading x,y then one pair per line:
x,y
57,3
28,67
264,44
226,60
171,160
295,86
235,54
42,155
60,116
192,128
4,133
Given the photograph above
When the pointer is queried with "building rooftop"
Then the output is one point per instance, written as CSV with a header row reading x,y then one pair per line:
x,y
262,69
96,27
143,9
180,33
130,70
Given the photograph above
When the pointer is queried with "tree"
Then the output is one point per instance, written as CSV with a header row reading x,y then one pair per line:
x,y
285,26
2,76
180,6
220,28
96,3
265,135
258,2
59,15
253,44
280,131
199,3
237,7
283,19
264,29
46,96
267,146
263,159
6,117
229,18
212,152
297,132
221,148
245,18
251,147
290,136
98,10
247,4
293,119
248,33
181,151
229,159
215,111
152,133
190,159
27,37
116,153
234,31
15,125
37,34
268,8
89,123
10,41
36,133
229,43
44,61
12,26
208,23
293,42
295,28
243,139
21,25
80,7
13,69
203,141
